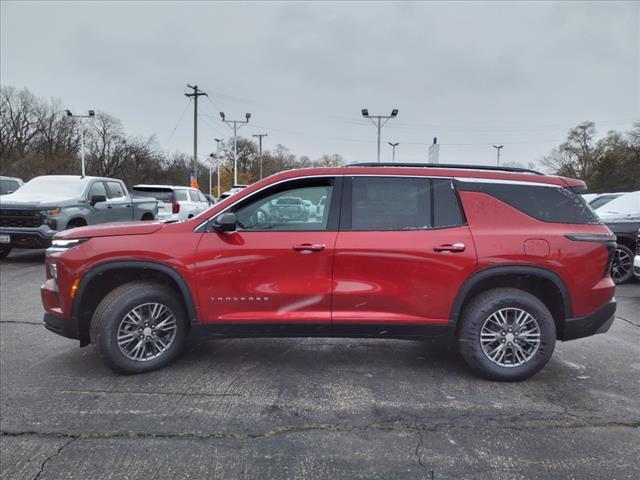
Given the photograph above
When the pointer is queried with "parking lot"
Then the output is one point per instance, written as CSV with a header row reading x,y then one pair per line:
x,y
310,408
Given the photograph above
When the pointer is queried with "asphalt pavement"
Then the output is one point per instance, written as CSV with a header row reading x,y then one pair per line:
x,y
310,408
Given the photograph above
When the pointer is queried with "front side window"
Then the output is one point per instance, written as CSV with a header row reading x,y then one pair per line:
x,y
288,209
97,189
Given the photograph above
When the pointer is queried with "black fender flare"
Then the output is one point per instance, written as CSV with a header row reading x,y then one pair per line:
x,y
488,272
83,327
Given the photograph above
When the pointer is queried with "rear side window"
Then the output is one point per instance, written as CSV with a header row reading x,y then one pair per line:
x,y
180,195
398,203
546,203
115,190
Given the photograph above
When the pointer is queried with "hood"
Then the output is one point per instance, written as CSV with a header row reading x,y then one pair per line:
x,y
111,230
42,202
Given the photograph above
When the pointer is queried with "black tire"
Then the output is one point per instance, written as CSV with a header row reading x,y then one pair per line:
x,y
480,309
622,273
5,251
147,217
111,312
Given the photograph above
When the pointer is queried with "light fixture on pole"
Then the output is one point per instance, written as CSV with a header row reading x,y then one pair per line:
x,y
377,120
394,145
91,114
498,148
235,123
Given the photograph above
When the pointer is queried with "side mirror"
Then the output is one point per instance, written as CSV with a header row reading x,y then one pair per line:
x,y
97,199
225,222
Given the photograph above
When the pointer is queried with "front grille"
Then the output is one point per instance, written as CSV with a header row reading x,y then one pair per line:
x,y
20,218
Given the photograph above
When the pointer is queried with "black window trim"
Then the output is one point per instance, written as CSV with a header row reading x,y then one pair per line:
x,y
333,219
346,212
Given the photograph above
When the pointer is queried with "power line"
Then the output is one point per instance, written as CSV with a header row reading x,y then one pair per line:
x,y
179,121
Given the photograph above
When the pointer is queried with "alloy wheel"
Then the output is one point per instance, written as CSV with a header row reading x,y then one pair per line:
x,y
510,337
622,264
146,332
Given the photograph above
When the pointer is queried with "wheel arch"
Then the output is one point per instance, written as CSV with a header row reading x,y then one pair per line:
x,y
113,273
540,281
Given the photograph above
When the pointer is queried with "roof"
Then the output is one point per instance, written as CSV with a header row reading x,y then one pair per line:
x,y
79,178
167,187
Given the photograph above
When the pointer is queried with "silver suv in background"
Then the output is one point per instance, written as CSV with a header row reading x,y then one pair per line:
x,y
9,185
174,202
31,216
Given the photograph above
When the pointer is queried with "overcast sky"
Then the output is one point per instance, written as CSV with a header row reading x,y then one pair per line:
x,y
472,74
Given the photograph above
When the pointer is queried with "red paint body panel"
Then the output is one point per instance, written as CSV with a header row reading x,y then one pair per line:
x,y
396,276
259,277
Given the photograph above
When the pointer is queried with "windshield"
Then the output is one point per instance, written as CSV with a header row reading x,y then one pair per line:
x,y
8,186
628,203
602,200
51,187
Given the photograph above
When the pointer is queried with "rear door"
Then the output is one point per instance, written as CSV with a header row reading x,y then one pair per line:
x,y
118,202
402,252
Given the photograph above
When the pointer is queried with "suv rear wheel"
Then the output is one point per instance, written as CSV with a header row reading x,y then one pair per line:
x,y
622,267
139,327
506,334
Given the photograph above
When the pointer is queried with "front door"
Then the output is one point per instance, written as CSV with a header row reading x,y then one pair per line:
x,y
402,253
275,268
119,203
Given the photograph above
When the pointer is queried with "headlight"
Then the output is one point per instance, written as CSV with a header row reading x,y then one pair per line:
x,y
53,212
64,245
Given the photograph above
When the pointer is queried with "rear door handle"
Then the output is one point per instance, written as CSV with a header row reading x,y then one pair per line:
x,y
450,247
309,247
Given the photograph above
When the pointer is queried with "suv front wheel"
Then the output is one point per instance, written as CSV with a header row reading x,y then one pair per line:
x,y
139,327
506,334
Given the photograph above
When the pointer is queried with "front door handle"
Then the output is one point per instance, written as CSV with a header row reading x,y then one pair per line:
x,y
309,247
450,247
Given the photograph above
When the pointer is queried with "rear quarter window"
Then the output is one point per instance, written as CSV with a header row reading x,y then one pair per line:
x,y
546,203
180,195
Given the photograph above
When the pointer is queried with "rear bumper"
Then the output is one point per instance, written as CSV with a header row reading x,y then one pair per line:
x,y
28,237
597,322
65,327
636,266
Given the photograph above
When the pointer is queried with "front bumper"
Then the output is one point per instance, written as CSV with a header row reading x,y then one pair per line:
x,y
28,237
597,322
62,326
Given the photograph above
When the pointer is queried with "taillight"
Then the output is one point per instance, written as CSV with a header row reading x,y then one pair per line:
x,y
608,240
176,207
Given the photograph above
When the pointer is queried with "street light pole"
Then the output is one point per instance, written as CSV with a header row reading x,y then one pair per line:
x,y
235,123
218,140
394,145
259,137
91,114
498,148
378,122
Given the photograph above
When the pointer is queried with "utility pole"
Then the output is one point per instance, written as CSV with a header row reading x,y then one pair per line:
x,y
91,114
379,123
218,140
235,123
259,137
196,93
394,145
498,148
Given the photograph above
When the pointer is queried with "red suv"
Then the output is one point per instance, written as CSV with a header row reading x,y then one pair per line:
x,y
507,260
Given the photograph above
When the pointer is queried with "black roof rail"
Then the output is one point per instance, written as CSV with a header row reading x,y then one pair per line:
x,y
446,165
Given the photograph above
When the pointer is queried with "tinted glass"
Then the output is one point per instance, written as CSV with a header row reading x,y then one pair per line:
x,y
390,203
153,193
446,211
97,189
115,190
193,195
287,210
549,204
180,195
8,186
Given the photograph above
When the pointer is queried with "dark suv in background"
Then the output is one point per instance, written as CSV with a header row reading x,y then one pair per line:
x,y
506,260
